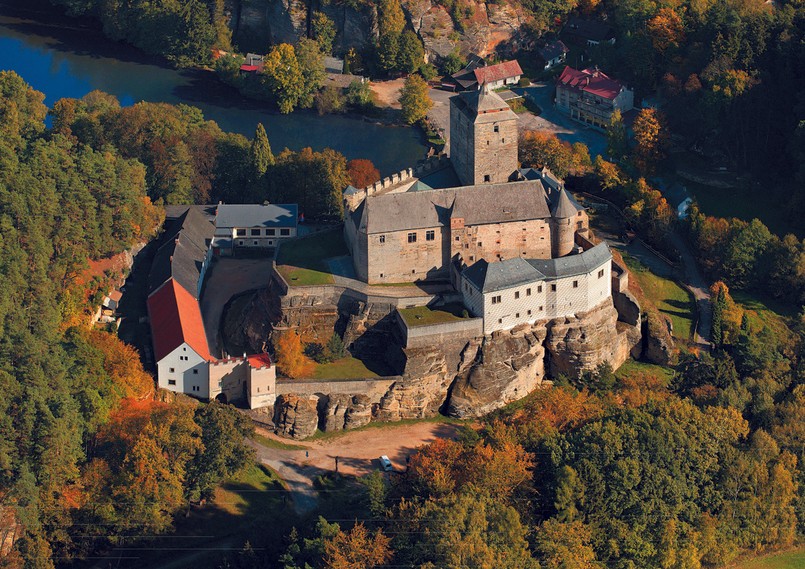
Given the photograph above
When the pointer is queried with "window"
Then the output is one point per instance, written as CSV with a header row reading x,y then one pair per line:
x,y
601,273
540,308
195,388
184,349
581,224
528,292
255,233
472,258
529,313
171,382
271,232
496,299
382,239
500,320
412,237
254,243
430,235
553,288
516,294
240,232
285,232
240,242
172,369
503,140
575,284
497,128
486,177
480,244
381,275
195,372
456,237
517,315
539,288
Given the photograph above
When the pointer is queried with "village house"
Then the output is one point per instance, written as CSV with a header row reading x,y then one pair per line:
x,y
590,97
552,54
477,73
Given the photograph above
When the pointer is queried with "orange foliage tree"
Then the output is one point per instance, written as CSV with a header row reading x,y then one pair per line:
x,y
666,30
362,172
122,363
357,549
291,358
651,137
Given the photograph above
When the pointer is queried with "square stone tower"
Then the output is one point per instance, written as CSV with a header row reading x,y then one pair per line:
x,y
483,137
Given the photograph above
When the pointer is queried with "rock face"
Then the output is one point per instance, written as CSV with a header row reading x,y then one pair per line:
x,y
295,417
421,391
500,369
343,412
660,348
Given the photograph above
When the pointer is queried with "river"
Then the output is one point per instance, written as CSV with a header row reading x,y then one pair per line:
x,y
63,57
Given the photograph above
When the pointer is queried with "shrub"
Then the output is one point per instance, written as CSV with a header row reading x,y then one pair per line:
x,y
330,100
524,82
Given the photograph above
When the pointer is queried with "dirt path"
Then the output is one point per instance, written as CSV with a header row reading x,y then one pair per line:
x,y
357,452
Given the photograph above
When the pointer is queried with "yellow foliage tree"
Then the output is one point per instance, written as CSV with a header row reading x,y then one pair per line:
x,y
666,30
291,358
651,138
357,549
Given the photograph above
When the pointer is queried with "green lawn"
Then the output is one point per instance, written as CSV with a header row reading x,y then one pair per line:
x,y
345,368
424,315
789,560
670,298
303,261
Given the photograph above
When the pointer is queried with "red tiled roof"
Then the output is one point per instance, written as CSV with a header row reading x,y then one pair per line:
x,y
249,68
175,319
498,72
591,81
259,360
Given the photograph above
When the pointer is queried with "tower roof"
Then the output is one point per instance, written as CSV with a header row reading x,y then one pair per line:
x,y
564,206
483,106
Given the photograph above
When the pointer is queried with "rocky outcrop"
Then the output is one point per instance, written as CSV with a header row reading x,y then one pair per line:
x,y
505,367
421,391
342,412
659,346
585,341
295,417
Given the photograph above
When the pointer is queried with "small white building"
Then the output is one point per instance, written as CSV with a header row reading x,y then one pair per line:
x,y
253,226
552,54
524,291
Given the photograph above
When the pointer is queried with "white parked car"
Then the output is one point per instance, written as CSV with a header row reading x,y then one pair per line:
x,y
386,463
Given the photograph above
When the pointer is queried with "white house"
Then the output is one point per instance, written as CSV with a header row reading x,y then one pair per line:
x,y
519,291
552,54
253,226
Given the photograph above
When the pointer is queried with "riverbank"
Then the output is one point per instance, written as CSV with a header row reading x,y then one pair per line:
x,y
68,57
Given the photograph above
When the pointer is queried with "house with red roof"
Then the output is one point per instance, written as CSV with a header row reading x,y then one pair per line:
x,y
477,73
590,96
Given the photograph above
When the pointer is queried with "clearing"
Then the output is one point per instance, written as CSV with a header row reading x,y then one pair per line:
x,y
303,261
387,93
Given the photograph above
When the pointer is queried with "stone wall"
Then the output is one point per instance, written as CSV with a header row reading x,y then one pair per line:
x,y
438,334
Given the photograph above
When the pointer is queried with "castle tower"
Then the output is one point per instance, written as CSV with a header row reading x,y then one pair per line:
x,y
563,225
483,137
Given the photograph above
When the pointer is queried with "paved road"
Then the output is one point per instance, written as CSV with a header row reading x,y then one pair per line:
x,y
227,278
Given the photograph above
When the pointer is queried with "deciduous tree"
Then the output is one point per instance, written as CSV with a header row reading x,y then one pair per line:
x,y
291,358
414,99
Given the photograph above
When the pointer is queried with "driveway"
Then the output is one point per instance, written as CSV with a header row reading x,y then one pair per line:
x,y
357,452
227,278
551,120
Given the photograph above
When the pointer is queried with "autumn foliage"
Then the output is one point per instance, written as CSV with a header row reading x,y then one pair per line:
x,y
291,358
357,549
362,172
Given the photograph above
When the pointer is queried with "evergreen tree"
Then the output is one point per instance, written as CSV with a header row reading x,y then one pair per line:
x,y
261,154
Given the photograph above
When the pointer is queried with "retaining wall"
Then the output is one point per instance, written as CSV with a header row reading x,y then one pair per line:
x,y
430,335
374,388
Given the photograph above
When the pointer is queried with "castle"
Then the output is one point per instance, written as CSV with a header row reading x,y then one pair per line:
x,y
499,229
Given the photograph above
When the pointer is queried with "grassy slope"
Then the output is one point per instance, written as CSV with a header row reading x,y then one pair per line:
x,y
345,368
671,299
789,560
303,261
423,315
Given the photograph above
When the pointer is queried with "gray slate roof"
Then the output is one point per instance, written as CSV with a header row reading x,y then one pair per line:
x,y
487,203
489,277
483,105
253,215
183,252
500,275
572,265
562,206
552,50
